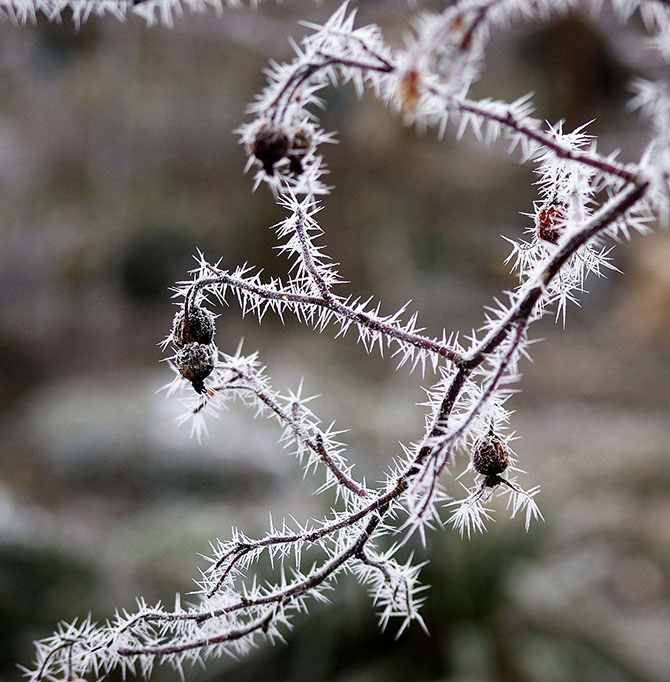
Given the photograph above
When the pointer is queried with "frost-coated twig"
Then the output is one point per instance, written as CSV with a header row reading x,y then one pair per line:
x,y
507,117
314,443
585,197
346,310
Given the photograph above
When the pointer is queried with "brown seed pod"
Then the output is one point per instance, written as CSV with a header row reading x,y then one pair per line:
x,y
490,458
549,221
200,327
195,362
295,165
301,143
269,145
302,140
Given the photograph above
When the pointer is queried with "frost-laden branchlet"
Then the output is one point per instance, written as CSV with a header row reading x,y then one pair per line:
x,y
585,200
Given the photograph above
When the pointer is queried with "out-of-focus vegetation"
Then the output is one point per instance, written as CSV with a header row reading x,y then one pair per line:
x,y
117,160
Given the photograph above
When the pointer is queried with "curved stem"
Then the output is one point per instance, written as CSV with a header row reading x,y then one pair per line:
x,y
334,304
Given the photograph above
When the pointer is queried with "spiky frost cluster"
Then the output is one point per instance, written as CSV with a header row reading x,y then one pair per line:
x,y
653,100
568,195
152,11
586,199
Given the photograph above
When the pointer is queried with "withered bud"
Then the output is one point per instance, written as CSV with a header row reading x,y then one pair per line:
x,y
302,140
301,143
270,145
490,458
195,362
550,222
198,326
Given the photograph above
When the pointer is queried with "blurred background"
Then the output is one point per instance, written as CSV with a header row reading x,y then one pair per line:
x,y
117,160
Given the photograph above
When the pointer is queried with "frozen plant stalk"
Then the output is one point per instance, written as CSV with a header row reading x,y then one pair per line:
x,y
586,200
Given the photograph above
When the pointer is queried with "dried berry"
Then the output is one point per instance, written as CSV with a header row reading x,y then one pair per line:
x,y
550,222
301,143
302,140
270,145
199,326
295,165
490,458
195,362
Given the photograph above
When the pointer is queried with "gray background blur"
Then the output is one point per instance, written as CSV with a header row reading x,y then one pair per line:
x,y
117,160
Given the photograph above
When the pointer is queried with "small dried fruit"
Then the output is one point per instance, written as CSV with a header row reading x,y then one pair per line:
x,y
195,362
550,222
302,140
301,143
270,145
490,458
295,165
199,326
